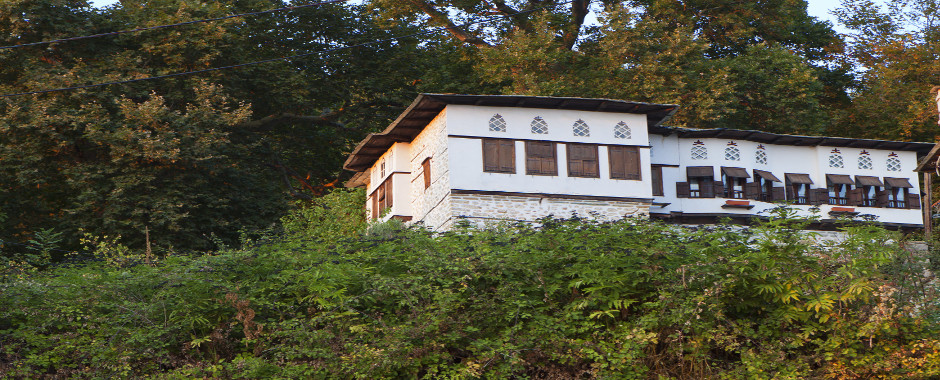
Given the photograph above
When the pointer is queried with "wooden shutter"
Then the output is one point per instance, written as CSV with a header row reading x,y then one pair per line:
x,y
881,198
719,189
540,158
582,160
624,162
507,156
820,196
426,171
375,205
656,174
855,197
682,189
752,190
778,193
490,155
617,160
706,188
913,201
499,156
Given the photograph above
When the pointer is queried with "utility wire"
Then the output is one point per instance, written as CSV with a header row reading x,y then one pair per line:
x,y
172,25
435,30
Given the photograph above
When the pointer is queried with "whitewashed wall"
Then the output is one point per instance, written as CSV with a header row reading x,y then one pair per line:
x,y
466,165
672,150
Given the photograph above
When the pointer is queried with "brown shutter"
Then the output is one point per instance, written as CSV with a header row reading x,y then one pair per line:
x,y
719,189
491,158
881,198
821,196
617,160
540,158
591,163
855,197
375,205
706,188
426,170
388,191
656,174
632,162
778,194
752,190
913,201
682,189
507,156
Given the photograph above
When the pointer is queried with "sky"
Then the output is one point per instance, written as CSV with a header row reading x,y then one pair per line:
x,y
818,8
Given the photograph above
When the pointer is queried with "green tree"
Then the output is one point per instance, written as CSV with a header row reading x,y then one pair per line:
x,y
192,158
896,53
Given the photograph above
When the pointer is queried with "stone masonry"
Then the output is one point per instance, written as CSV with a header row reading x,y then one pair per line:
x,y
431,206
488,208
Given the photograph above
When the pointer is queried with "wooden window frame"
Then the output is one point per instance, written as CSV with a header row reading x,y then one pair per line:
x,y
382,197
426,172
531,159
589,168
637,172
505,156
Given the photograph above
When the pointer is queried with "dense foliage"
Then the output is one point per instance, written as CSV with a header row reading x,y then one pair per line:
x,y
571,299
190,162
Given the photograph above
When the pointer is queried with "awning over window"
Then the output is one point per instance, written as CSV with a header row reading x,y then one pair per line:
x,y
864,180
735,172
798,178
767,175
700,171
840,179
898,182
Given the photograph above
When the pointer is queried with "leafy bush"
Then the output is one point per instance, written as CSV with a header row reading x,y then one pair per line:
x,y
571,299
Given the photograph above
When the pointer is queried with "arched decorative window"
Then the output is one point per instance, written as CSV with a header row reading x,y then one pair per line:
x,y
580,128
760,156
699,152
732,153
864,161
497,123
835,161
894,163
622,131
539,126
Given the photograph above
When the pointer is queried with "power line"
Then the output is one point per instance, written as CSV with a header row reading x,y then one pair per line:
x,y
269,60
172,25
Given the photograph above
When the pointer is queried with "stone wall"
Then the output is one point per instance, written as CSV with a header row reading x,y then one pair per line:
x,y
489,208
431,206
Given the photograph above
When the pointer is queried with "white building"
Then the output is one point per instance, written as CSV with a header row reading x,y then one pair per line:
x,y
486,157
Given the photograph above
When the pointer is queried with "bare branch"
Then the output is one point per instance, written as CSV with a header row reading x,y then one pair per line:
x,y
328,118
521,20
441,18
579,10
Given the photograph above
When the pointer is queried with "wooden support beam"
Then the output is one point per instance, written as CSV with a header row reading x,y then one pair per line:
x,y
927,205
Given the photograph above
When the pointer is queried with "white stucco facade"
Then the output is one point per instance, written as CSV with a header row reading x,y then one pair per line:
x,y
433,159
780,159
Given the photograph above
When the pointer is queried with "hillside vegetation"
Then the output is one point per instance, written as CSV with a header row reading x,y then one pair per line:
x,y
571,299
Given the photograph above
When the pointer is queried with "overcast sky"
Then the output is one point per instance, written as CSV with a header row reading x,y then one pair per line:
x,y
818,8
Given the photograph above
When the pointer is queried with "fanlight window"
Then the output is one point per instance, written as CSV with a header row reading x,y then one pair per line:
x,y
699,152
581,129
894,164
835,161
622,131
539,126
760,157
732,154
497,123
864,162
